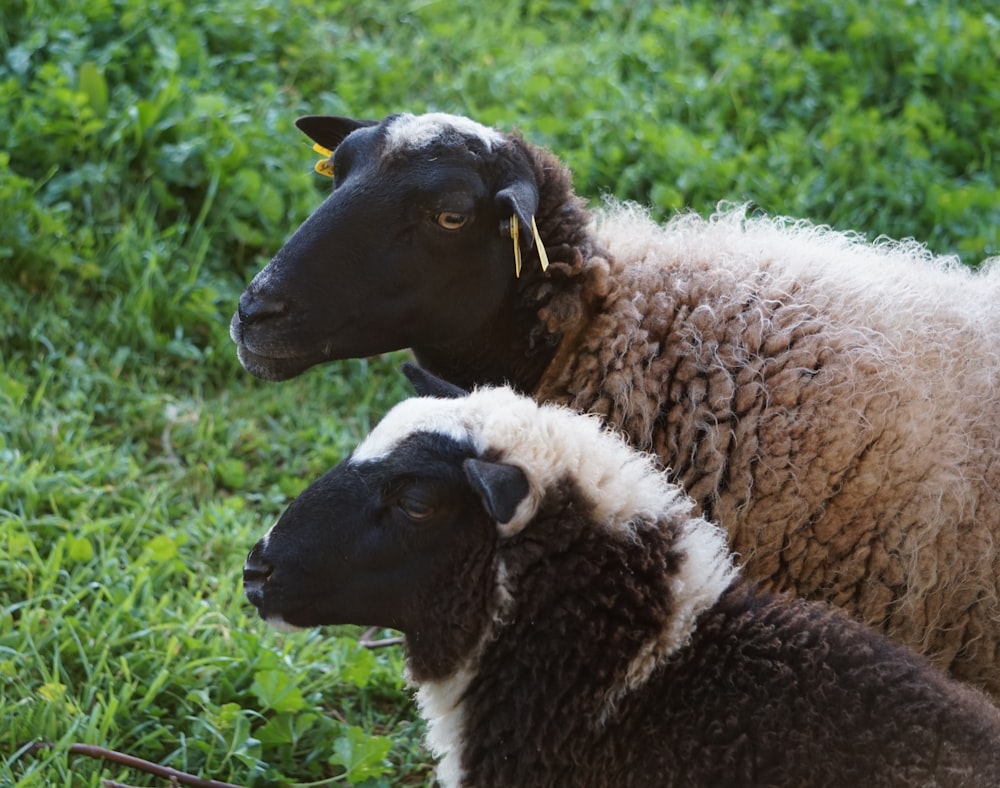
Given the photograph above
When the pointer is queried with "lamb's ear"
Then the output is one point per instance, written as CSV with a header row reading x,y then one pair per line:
x,y
428,385
330,130
503,489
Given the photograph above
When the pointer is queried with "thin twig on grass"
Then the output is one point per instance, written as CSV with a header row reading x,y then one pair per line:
x,y
102,753
365,640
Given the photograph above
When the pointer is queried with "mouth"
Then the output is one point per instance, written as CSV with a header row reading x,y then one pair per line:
x,y
275,362
282,621
295,620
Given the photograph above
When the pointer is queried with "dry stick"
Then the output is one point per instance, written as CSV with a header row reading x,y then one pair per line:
x,y
102,753
365,640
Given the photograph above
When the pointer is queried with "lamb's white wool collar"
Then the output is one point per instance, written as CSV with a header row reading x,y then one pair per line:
x,y
412,132
440,705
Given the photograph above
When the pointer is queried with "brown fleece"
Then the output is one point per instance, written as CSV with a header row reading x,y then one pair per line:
x,y
833,404
766,691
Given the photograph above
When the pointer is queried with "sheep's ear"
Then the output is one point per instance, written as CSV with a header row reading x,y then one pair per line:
x,y
502,488
428,385
330,130
519,199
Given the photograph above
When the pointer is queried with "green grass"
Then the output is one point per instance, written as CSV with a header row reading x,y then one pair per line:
x,y
149,167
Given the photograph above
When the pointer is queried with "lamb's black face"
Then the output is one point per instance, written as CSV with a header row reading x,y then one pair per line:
x,y
375,543
406,252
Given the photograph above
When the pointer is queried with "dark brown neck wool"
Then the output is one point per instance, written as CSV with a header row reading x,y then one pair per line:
x,y
767,693
585,604
518,345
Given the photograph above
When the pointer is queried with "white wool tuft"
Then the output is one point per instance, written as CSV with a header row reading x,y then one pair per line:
x,y
412,132
417,414
440,705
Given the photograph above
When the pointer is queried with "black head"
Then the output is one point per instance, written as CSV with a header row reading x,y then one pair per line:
x,y
393,537
411,249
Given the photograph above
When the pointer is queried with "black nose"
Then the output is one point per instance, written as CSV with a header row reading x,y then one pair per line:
x,y
255,307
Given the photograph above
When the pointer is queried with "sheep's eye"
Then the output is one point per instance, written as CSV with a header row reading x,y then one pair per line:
x,y
415,507
451,220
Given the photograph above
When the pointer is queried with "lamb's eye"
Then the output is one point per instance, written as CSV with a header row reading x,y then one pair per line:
x,y
452,220
415,507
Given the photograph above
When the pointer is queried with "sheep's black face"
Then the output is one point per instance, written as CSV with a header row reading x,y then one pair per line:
x,y
406,252
378,543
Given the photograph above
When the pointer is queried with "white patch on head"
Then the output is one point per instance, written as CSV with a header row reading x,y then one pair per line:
x,y
549,443
418,414
412,132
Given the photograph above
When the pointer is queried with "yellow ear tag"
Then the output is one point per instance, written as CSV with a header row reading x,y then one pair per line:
x,y
324,166
542,257
515,233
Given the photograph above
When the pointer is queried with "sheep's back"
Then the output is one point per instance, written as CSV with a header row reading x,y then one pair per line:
x,y
830,402
828,702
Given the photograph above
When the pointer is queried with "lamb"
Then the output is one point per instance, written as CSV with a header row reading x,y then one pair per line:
x,y
832,403
568,621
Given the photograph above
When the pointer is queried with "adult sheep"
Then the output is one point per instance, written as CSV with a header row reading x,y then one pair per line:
x,y
569,622
833,404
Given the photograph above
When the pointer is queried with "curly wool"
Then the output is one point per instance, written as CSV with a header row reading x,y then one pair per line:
x,y
832,403
619,646
597,633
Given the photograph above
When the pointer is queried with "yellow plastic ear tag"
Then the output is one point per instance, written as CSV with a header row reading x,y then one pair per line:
x,y
324,166
515,233
543,258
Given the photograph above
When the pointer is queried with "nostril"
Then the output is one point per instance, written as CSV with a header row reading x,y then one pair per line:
x,y
256,569
255,307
